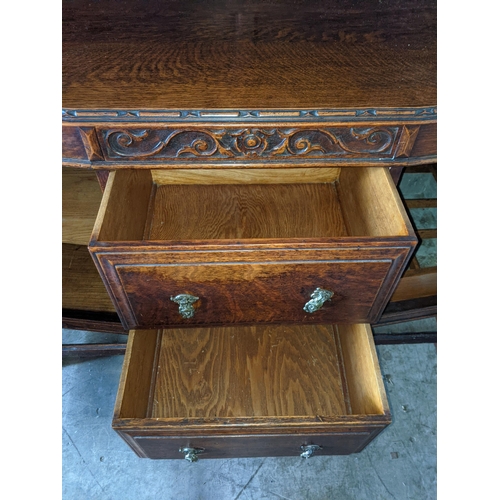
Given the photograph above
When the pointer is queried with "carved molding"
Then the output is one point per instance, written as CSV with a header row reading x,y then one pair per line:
x,y
407,140
91,144
301,115
235,144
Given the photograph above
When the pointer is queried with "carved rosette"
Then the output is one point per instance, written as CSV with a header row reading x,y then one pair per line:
x,y
230,143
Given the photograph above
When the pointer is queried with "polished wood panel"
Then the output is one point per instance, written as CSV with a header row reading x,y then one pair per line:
x,y
72,145
248,55
254,292
81,198
224,389
426,141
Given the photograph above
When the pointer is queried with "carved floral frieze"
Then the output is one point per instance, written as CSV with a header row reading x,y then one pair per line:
x,y
235,144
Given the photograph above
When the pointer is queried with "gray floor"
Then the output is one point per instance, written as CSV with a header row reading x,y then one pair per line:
x,y
399,464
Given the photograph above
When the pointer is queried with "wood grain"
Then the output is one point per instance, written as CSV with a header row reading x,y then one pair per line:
x,y
73,148
426,141
124,209
421,203
414,285
371,204
256,371
249,392
249,55
253,292
82,287
250,252
246,211
245,176
362,371
137,376
81,198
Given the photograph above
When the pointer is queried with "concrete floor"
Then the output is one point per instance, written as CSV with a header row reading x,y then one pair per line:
x,y
399,464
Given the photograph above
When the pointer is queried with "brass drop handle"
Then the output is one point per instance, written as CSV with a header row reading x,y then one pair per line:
x,y
185,301
191,454
309,450
318,298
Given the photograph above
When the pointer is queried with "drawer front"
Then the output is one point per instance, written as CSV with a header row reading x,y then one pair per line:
x,y
341,443
250,292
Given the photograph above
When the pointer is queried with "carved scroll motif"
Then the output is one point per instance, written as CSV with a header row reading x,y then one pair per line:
x,y
248,143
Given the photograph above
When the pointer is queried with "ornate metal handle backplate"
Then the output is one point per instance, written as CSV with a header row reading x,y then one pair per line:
x,y
191,454
185,301
309,450
318,298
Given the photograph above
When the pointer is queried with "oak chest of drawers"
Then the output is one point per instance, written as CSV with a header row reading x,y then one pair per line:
x,y
249,229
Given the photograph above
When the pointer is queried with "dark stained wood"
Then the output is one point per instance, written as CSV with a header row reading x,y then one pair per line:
x,y
425,234
338,443
92,321
426,142
91,143
427,168
414,263
254,292
396,173
405,338
306,142
409,310
92,350
421,203
248,55
224,389
102,177
72,144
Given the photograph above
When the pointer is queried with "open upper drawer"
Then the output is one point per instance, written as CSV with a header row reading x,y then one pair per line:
x,y
250,391
247,247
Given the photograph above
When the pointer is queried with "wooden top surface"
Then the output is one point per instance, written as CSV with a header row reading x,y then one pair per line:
x,y
240,54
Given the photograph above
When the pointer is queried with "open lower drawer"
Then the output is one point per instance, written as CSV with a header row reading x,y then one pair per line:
x,y
251,248
250,391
